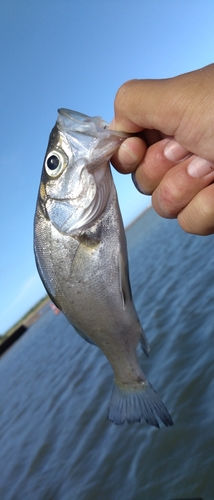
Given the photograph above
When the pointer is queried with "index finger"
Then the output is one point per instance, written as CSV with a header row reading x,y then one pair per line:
x,y
141,104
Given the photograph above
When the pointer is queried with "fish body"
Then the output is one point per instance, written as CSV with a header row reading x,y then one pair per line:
x,y
81,255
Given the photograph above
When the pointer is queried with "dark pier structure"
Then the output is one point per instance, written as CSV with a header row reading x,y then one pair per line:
x,y
12,338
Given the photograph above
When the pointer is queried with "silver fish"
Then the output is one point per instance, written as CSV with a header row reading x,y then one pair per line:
x,y
81,256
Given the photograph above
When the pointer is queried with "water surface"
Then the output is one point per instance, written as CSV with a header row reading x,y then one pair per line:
x,y
56,442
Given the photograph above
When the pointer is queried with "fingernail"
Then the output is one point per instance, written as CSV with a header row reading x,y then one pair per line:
x,y
198,167
136,184
174,151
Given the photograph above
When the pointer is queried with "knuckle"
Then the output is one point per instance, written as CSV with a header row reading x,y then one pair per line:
x,y
121,94
168,198
186,221
198,216
151,166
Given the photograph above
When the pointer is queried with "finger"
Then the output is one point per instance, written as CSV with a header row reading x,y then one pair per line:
x,y
140,104
179,186
182,107
151,136
129,155
158,159
198,216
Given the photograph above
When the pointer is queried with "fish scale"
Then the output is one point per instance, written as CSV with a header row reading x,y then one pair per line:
x,y
81,256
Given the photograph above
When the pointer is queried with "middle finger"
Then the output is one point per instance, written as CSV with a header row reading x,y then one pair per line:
x,y
157,161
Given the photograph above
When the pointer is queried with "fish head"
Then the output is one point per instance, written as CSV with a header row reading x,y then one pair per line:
x,y
76,181
91,139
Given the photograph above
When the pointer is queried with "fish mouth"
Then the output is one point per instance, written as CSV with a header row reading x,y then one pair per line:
x,y
84,124
90,135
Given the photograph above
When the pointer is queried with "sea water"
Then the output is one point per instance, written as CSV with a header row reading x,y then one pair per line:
x,y
55,440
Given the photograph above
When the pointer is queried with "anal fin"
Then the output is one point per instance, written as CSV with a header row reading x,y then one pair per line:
x,y
144,343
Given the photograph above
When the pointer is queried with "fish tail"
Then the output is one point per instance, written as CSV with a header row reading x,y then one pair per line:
x,y
133,405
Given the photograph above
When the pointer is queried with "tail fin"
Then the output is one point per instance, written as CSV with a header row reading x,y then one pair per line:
x,y
131,406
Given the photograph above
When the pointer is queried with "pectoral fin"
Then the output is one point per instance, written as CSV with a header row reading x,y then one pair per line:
x,y
126,296
124,284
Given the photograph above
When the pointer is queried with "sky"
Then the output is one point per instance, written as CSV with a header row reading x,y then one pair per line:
x,y
76,54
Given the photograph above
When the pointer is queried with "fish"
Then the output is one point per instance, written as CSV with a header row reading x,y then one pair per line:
x,y
81,256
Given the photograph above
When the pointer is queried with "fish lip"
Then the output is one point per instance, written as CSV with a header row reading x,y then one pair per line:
x,y
70,113
83,123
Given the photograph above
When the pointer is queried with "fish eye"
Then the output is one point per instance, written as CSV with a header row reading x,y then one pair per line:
x,y
55,163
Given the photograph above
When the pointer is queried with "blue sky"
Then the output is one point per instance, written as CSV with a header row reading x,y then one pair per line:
x,y
76,54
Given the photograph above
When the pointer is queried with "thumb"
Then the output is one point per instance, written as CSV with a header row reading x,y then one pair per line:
x,y
182,107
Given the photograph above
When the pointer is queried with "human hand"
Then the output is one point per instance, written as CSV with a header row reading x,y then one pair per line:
x,y
172,156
